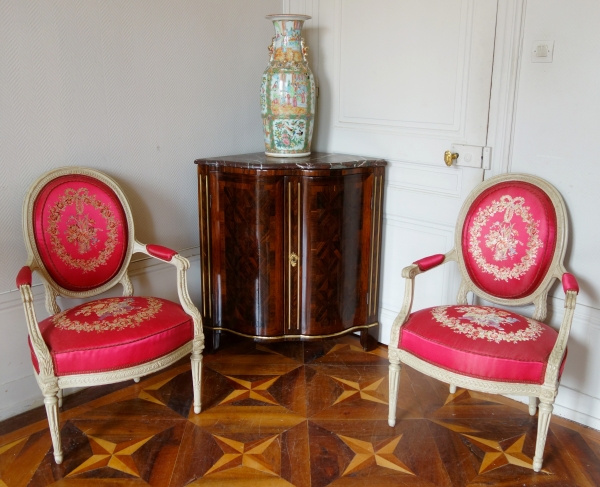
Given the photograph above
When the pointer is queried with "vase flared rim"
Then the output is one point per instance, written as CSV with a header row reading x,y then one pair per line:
x,y
288,17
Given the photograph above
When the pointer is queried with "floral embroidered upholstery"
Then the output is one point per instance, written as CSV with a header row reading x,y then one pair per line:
x,y
113,333
509,237
80,232
480,341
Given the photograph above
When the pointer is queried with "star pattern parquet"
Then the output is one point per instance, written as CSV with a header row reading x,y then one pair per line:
x,y
295,414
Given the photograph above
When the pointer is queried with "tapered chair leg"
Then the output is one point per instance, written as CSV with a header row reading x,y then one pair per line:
x,y
51,403
452,389
545,412
197,380
394,384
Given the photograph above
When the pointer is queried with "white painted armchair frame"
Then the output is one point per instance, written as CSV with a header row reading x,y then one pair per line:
x,y
547,391
49,383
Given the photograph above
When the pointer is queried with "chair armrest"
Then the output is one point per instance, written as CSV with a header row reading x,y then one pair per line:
x,y
40,349
170,256
160,252
24,277
430,262
409,273
570,283
571,288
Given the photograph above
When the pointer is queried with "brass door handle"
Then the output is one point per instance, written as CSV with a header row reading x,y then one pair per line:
x,y
450,157
294,259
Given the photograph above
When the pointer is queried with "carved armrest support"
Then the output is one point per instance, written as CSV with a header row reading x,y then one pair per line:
x,y
409,273
182,264
40,348
571,289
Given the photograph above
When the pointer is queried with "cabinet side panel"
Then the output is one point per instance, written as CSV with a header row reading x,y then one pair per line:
x,y
336,259
248,236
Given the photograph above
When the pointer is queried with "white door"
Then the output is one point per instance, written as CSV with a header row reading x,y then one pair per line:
x,y
405,80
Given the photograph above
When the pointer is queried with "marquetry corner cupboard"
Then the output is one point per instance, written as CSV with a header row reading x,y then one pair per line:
x,y
290,248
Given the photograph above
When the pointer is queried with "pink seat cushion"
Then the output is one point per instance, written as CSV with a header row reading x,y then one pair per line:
x,y
114,333
480,341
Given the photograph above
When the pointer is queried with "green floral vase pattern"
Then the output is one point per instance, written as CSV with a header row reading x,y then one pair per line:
x,y
287,93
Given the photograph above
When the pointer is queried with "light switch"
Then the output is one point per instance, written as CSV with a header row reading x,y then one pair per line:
x,y
542,51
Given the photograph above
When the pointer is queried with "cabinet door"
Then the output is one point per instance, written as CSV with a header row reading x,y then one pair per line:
x,y
335,251
247,250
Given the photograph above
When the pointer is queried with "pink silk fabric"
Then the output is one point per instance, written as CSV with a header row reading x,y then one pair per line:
x,y
24,277
160,252
80,232
542,214
522,361
570,283
430,262
79,352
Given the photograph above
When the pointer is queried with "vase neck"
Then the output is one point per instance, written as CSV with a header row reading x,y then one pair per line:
x,y
287,43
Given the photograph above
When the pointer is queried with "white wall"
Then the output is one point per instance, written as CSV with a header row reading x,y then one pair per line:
x,y
137,89
557,136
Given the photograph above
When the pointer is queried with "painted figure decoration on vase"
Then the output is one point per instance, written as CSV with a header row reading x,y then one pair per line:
x,y
287,94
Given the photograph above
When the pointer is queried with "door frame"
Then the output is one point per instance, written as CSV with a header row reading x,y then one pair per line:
x,y
510,25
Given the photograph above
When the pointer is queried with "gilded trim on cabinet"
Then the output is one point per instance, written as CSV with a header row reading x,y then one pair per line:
x,y
208,252
372,259
202,244
380,202
300,265
289,253
279,337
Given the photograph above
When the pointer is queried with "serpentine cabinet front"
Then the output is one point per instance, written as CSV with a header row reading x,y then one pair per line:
x,y
289,252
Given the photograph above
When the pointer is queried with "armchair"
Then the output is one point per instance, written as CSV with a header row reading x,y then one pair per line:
x,y
510,243
79,234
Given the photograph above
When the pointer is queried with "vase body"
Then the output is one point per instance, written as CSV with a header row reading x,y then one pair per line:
x,y
287,94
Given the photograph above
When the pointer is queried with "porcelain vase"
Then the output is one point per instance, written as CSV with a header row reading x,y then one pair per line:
x,y
287,94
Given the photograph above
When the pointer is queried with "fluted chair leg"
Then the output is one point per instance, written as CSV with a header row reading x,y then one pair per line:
x,y
394,384
197,380
51,403
545,412
532,405
59,395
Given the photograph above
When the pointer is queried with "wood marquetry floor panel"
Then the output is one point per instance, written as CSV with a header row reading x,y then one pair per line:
x,y
296,414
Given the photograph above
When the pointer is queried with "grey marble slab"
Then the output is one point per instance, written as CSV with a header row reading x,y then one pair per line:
x,y
317,160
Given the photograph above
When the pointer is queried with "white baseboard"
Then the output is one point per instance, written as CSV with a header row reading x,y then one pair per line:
x,y
19,391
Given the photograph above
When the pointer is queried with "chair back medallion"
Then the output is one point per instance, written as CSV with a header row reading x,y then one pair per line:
x,y
509,239
80,231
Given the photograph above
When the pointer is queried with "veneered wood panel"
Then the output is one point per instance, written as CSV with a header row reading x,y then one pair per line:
x,y
247,252
336,242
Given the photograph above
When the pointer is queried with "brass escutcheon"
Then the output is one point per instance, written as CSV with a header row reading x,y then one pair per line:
x,y
294,259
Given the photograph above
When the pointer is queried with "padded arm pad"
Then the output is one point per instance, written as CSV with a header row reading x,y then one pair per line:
x,y
160,252
570,283
24,277
430,262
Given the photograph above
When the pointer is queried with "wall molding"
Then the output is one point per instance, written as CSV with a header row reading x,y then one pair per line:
x,y
452,130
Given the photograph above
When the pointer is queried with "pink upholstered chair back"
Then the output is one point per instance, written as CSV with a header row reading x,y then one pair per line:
x,y
511,238
79,230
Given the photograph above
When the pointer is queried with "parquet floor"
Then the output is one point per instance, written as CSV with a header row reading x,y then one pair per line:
x,y
293,414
